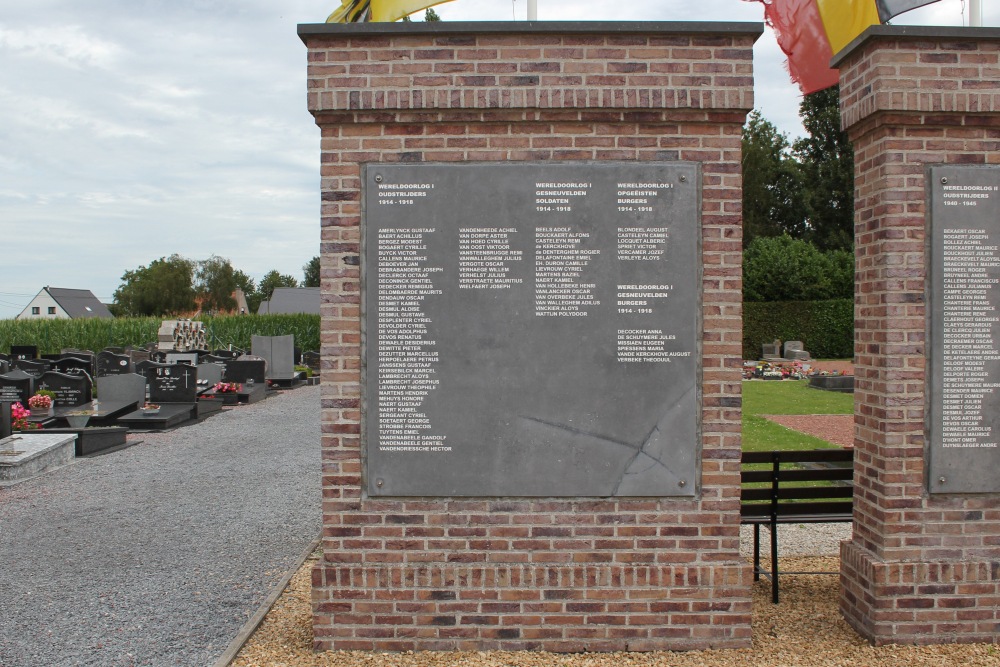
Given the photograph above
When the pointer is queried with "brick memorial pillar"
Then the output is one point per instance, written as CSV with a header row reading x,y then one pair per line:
x,y
922,106
531,330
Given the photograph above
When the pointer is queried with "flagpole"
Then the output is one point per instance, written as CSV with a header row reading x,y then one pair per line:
x,y
533,10
975,13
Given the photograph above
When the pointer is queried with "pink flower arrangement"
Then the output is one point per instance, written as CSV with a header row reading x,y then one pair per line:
x,y
19,418
228,387
40,402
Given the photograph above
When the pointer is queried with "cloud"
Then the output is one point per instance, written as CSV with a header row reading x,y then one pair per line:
x,y
65,46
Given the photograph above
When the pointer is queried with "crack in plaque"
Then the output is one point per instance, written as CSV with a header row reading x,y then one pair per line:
x,y
637,449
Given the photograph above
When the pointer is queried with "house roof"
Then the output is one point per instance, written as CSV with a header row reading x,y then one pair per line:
x,y
288,300
78,303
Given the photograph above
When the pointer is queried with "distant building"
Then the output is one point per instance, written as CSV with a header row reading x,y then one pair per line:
x,y
289,300
54,303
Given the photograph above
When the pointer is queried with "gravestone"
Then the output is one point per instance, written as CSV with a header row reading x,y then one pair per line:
x,y
33,368
70,390
189,358
17,387
246,369
141,366
4,357
172,383
128,388
109,363
209,374
795,351
311,360
158,356
279,352
138,355
228,354
73,366
4,366
23,352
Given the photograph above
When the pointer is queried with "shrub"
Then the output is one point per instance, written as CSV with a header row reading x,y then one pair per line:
x,y
826,328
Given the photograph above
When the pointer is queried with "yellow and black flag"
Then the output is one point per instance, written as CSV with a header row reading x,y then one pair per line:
x,y
358,11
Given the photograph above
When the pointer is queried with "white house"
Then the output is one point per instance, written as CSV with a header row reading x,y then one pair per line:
x,y
54,303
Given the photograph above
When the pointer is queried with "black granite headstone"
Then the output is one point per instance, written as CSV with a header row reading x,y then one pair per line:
x,y
72,366
23,351
109,363
228,354
4,366
34,368
172,383
311,360
70,390
242,370
17,387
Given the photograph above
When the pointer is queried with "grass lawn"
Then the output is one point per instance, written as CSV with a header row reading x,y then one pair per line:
x,y
786,397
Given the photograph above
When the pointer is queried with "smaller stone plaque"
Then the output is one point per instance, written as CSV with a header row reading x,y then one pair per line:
x,y
16,387
109,363
172,383
70,390
189,358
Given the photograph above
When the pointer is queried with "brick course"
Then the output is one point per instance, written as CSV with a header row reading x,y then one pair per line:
x,y
552,574
920,568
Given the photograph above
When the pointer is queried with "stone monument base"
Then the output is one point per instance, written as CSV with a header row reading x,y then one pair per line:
x,y
560,608
924,602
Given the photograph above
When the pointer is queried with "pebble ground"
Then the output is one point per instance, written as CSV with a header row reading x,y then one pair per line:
x,y
158,554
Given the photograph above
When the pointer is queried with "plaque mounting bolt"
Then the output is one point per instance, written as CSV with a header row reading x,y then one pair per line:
x,y
941,480
379,483
378,178
683,482
683,178
944,180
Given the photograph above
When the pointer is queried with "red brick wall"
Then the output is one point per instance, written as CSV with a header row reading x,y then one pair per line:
x,y
920,568
553,574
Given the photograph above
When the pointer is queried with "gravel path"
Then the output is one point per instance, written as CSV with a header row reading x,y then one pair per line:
x,y
158,554
838,429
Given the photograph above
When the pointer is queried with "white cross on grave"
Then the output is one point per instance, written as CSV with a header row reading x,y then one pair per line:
x,y
186,375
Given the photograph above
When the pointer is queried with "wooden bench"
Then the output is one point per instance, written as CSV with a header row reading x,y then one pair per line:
x,y
776,489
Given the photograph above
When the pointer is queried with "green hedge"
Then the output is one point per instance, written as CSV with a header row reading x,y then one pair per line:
x,y
826,328
96,334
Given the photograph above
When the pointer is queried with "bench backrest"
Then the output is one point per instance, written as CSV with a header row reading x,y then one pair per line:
x,y
797,483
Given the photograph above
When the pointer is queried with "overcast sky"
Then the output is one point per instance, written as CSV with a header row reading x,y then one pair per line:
x,y
134,129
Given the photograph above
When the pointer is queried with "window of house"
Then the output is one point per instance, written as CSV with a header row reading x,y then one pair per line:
x,y
35,310
52,310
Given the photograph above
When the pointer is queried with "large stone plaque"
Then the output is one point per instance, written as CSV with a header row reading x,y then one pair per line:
x,y
963,312
532,329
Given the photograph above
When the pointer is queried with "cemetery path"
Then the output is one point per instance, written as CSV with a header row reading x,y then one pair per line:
x,y
159,553
838,429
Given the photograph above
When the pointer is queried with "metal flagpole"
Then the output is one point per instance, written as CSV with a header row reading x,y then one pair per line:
x,y
533,10
975,13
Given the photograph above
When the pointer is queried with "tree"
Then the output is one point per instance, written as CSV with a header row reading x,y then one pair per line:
x,y
431,15
827,162
772,198
165,287
274,279
311,273
215,283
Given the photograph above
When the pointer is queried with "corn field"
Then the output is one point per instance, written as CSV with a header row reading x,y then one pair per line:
x,y
51,336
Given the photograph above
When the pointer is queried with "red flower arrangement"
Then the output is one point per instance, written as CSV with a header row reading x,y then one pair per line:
x,y
228,387
19,418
